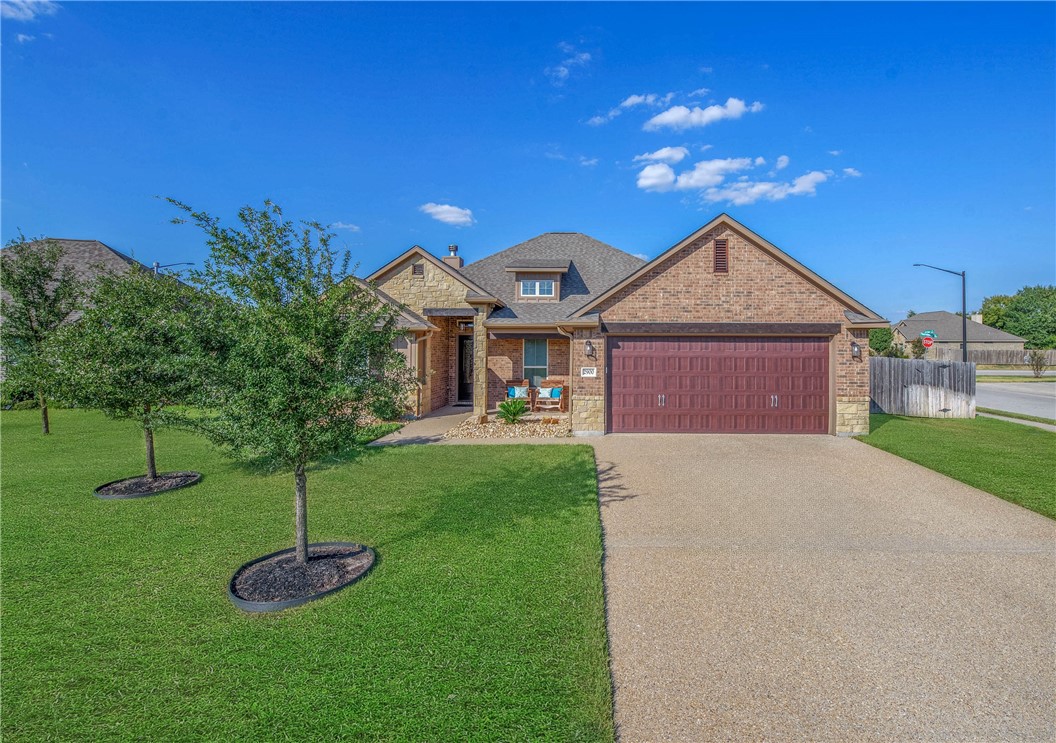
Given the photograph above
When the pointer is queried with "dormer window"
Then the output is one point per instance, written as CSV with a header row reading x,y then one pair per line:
x,y
538,280
537,288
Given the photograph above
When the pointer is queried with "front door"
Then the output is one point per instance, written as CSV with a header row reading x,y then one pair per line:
x,y
465,368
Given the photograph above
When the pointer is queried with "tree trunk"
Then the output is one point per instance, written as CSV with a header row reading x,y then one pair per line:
x,y
302,513
45,425
148,437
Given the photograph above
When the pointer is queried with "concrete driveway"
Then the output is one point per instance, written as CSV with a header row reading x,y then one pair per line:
x,y
1028,398
815,588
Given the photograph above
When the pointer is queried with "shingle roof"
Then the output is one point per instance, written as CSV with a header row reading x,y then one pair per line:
x,y
947,327
90,257
593,268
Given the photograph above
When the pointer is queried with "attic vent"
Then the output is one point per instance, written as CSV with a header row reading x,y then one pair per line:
x,y
418,269
722,257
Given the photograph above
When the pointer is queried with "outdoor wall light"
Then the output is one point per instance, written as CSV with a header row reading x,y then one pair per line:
x,y
588,349
856,351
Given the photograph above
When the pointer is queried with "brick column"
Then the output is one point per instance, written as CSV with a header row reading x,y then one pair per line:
x,y
588,393
480,362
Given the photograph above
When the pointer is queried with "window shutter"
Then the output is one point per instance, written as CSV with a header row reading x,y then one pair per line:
x,y
722,257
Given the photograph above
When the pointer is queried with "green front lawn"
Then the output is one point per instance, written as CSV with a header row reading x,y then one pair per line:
x,y
1010,460
483,619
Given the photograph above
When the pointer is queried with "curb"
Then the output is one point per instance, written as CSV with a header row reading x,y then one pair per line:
x,y
256,607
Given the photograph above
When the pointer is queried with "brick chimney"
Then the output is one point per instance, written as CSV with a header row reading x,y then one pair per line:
x,y
452,258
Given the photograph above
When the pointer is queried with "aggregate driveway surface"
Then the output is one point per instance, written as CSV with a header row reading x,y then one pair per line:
x,y
815,588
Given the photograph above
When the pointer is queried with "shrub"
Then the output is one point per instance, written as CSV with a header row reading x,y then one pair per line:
x,y
1037,362
25,405
386,409
917,348
511,411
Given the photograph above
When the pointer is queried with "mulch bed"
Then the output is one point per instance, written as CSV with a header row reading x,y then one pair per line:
x,y
144,485
282,578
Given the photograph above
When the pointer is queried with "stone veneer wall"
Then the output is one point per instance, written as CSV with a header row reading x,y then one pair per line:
x,y
757,288
435,288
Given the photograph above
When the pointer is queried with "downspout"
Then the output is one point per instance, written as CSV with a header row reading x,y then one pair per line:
x,y
422,374
571,348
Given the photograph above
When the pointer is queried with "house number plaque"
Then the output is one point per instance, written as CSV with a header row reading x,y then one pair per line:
x,y
588,371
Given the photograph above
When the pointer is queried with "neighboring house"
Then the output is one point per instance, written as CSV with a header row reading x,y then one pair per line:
x,y
89,259
722,332
948,331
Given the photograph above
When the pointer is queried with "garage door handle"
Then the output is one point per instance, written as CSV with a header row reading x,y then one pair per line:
x,y
773,401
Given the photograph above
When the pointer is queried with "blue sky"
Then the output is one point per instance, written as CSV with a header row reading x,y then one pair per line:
x,y
861,138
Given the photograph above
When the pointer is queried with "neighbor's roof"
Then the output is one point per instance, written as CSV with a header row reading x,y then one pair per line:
x,y
947,327
89,258
593,267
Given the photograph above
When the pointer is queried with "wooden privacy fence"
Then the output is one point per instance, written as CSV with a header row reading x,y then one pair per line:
x,y
925,389
989,356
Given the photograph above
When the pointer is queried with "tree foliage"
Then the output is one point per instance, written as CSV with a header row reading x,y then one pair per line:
x,y
135,350
916,347
880,340
306,354
43,296
1029,313
994,309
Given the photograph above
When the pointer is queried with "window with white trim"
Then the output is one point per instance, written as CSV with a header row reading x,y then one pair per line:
x,y
537,287
535,360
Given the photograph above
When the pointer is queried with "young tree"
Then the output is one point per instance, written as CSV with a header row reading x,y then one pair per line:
x,y
134,350
916,347
41,298
308,353
1036,359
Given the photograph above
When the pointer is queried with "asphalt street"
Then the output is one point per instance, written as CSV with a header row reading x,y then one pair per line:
x,y
1028,398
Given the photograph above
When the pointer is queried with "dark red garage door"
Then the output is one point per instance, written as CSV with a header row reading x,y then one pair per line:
x,y
719,385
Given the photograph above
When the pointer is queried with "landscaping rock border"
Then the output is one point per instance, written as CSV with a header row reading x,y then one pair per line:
x,y
197,477
269,606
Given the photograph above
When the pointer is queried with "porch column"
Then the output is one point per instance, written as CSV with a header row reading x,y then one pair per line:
x,y
480,361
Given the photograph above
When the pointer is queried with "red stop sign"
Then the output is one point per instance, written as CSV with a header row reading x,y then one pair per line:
x,y
928,343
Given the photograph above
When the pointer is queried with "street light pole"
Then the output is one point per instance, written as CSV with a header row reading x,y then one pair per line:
x,y
964,306
157,266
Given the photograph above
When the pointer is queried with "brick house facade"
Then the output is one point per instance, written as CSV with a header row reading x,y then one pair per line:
x,y
751,297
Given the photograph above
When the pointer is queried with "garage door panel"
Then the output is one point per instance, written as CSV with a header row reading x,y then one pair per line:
x,y
719,384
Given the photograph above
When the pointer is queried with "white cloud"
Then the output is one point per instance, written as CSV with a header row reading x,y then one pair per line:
x,y
643,256
760,161
707,70
852,172
705,174
647,99
588,162
835,153
560,72
664,155
448,214
749,192
631,101
782,162
699,93
27,10
346,226
656,177
708,173
681,117
24,38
